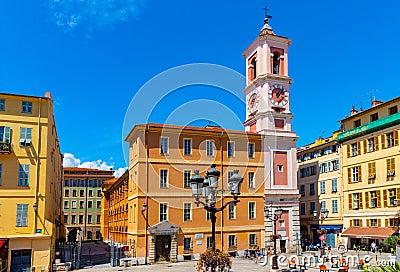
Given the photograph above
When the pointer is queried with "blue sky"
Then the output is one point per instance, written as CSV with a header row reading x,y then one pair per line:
x,y
95,55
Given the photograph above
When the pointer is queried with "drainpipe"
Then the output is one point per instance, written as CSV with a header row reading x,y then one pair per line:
x,y
147,189
37,166
222,195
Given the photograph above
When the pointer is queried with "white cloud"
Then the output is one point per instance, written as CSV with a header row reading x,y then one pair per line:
x,y
68,14
71,161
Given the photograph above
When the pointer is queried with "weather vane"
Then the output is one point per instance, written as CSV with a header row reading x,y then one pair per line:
x,y
266,9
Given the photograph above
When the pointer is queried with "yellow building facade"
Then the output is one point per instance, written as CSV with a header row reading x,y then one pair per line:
x,y
320,187
371,184
30,182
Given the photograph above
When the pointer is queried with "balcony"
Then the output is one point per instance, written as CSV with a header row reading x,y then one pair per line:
x,y
5,148
382,123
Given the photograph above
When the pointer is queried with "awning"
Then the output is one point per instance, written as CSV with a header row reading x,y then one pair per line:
x,y
372,233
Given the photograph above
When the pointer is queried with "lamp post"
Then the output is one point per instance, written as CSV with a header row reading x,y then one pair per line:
x,y
207,188
321,232
273,216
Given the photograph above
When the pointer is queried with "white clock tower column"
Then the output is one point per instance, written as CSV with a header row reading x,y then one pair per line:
x,y
268,113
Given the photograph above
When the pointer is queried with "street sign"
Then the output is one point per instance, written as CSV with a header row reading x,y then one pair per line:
x,y
322,237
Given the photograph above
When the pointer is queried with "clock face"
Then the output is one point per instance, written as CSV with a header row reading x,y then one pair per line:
x,y
252,102
278,95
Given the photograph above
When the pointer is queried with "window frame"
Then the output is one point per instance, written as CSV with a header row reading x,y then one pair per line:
x,y
163,182
231,211
186,178
252,210
163,211
189,153
26,107
230,149
250,176
164,145
210,146
187,212
22,215
251,152
23,175
2,104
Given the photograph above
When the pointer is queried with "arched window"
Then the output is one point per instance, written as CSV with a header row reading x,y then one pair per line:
x,y
275,63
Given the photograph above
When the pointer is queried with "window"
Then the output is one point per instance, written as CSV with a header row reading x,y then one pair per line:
x,y
25,138
74,193
187,146
334,206
23,175
275,63
2,104
281,223
390,166
66,219
98,193
313,170
375,199
75,183
89,219
312,189
163,146
302,190
80,219
208,215
357,223
163,178
357,123
81,204
280,168
354,174
186,178
373,222
73,204
5,134
251,180
252,210
250,150
392,197
302,208
90,204
231,211
322,187
252,239
209,242
393,110
187,243
371,172
355,149
187,211
389,139
210,148
73,219
66,192
334,185
312,207
82,183
323,205
26,107
66,204
22,215
374,117
231,149
98,204
371,145
163,211
355,201
90,192
81,193
232,240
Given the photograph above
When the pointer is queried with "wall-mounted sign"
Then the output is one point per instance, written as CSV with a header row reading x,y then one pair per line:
x,y
199,236
199,243
38,230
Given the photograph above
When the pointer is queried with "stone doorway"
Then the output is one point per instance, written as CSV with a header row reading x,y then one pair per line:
x,y
163,248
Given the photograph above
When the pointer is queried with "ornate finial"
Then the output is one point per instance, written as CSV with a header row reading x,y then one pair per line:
x,y
266,29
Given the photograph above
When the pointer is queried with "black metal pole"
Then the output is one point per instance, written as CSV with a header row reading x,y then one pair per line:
x,y
213,221
274,257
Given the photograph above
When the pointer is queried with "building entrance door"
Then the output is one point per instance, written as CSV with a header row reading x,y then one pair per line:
x,y
21,260
163,247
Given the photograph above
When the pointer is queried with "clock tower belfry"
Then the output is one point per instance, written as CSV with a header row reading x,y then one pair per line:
x,y
268,113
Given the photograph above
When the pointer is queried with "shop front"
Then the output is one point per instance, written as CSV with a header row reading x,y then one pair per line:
x,y
362,238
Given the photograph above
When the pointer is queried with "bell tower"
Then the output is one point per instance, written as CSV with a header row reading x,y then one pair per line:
x,y
268,113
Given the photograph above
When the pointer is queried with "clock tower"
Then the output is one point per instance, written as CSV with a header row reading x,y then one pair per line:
x,y
268,113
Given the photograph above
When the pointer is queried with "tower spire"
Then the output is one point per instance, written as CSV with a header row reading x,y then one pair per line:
x,y
266,29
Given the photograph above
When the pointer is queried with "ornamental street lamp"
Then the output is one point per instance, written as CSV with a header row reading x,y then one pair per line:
x,y
273,216
321,232
207,188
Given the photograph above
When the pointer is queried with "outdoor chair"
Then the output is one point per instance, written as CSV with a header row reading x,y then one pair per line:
x,y
322,268
292,263
361,265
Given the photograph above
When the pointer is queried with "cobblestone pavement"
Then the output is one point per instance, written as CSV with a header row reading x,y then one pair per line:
x,y
239,265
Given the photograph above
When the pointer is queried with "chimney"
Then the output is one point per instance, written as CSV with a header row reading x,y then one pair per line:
x,y
353,111
48,95
376,103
